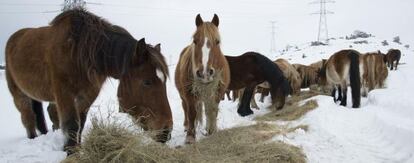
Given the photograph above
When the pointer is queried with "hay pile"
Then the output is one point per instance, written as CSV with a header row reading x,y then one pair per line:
x,y
110,142
292,110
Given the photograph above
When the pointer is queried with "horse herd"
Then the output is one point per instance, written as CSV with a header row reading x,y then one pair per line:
x,y
67,62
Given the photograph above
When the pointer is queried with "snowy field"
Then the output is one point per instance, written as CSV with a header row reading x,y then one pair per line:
x,y
382,130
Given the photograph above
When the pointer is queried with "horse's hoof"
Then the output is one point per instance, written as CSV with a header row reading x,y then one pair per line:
x,y
343,104
355,106
190,140
245,113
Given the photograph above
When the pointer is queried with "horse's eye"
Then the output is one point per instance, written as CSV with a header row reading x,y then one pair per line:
x,y
217,42
195,42
147,82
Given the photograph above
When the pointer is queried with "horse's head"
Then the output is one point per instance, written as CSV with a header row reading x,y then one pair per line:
x,y
142,91
206,47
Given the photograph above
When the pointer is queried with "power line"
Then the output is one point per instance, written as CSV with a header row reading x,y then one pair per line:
x,y
323,22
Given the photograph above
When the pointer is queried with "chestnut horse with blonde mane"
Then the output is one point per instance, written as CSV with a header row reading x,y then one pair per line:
x,y
202,77
66,64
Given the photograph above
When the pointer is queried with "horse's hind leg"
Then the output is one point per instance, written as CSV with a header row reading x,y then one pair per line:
x,y
24,106
53,115
396,64
344,94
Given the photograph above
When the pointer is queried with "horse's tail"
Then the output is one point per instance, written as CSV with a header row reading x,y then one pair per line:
x,y
273,75
40,117
355,79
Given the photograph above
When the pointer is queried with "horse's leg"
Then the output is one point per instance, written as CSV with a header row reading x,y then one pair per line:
x,y
244,107
211,111
83,104
396,64
392,65
53,115
191,118
185,109
333,94
344,94
24,106
253,103
339,94
68,116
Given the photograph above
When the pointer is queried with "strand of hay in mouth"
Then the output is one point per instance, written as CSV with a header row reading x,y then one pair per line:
x,y
110,142
292,110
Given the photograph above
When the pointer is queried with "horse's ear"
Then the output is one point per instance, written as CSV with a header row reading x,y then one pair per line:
x,y
199,20
379,51
215,20
158,47
141,47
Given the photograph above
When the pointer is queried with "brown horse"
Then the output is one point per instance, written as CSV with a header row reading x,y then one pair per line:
x,y
342,69
393,56
250,69
375,71
308,74
202,76
291,74
67,62
318,64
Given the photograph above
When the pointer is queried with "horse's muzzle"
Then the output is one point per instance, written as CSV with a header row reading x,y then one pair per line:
x,y
164,135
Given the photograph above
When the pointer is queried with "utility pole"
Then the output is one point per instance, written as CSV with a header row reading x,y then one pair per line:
x,y
71,4
323,23
273,37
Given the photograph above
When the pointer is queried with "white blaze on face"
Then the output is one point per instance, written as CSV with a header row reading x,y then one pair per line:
x,y
205,56
160,75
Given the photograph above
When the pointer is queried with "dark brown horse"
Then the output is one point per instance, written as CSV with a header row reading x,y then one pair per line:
x,y
202,76
393,57
342,69
250,69
67,62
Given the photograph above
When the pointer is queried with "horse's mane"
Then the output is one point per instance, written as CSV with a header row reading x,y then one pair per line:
x,y
97,45
157,59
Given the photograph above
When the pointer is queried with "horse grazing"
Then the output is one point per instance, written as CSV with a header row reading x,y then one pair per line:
x,y
250,69
342,69
308,74
67,62
291,75
202,76
375,71
393,56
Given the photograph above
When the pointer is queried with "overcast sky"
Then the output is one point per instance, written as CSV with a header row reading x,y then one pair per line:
x,y
244,24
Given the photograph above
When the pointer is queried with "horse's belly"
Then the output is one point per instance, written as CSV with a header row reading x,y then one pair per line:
x,y
32,80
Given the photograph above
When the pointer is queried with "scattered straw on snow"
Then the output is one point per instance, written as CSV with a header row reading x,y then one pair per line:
x,y
292,110
111,142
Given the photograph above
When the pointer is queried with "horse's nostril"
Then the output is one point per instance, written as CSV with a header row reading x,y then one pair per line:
x,y
211,72
199,74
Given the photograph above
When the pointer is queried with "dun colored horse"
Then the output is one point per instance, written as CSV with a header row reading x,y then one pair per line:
x,y
375,71
202,77
308,74
342,69
291,74
393,57
67,62
250,69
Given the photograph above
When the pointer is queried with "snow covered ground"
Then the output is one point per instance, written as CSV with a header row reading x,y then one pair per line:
x,y
382,130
